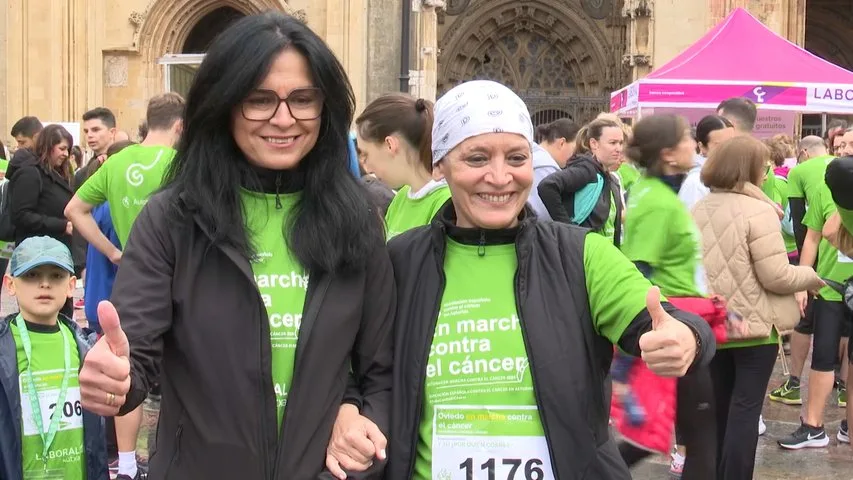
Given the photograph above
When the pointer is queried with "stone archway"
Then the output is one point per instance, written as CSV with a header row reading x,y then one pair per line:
x,y
551,53
827,28
165,25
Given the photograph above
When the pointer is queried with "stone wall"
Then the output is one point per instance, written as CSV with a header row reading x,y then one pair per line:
x,y
59,59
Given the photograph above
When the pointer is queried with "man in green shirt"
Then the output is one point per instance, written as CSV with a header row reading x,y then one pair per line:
x,y
126,180
804,181
830,315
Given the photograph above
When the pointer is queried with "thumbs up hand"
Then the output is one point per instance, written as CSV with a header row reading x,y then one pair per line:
x,y
105,376
669,349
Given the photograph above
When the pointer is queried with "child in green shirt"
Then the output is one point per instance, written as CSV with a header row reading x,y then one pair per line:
x,y
46,434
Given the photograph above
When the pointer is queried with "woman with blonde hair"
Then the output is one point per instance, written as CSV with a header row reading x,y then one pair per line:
x,y
746,262
585,193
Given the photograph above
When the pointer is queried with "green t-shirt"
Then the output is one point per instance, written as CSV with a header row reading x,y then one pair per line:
x,y
628,175
126,180
479,402
831,263
66,458
661,232
406,213
804,178
281,280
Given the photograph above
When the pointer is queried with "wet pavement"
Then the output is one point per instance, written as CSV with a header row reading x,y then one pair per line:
x,y
772,463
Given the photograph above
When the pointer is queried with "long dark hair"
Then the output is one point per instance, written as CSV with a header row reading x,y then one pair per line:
x,y
51,136
333,228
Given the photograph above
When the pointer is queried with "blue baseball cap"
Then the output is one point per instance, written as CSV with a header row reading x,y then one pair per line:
x,y
37,251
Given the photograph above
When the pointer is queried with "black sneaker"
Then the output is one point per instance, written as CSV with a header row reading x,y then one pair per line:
x,y
843,434
805,437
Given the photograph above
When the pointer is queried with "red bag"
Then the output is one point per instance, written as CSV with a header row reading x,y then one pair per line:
x,y
657,397
712,309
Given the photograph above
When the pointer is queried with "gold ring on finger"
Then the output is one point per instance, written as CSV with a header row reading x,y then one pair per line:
x,y
111,398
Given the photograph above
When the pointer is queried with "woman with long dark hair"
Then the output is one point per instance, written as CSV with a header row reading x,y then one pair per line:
x,y
40,192
258,278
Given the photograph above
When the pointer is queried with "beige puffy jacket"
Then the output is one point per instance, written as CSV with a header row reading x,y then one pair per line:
x,y
746,262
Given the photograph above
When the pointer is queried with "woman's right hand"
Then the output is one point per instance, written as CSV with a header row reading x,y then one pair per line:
x,y
105,376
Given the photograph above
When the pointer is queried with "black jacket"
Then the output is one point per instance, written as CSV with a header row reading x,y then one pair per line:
x,y
557,192
23,157
38,197
569,361
193,314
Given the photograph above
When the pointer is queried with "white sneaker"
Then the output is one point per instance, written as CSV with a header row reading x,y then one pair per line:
x,y
761,426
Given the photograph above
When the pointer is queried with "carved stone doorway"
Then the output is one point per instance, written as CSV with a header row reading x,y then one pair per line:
x,y
552,54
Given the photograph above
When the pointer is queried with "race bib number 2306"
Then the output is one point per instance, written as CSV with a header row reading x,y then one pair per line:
x,y
489,443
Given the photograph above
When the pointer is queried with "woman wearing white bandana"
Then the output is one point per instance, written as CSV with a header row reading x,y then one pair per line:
x,y
506,325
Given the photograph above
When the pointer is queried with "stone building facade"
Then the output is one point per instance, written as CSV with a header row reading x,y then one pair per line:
x,y
59,59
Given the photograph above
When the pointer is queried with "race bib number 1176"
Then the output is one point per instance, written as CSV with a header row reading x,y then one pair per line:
x,y
489,443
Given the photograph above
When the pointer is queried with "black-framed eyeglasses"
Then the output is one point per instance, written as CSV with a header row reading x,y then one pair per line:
x,y
302,103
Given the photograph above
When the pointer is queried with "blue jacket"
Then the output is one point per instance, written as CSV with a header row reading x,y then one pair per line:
x,y
100,271
11,456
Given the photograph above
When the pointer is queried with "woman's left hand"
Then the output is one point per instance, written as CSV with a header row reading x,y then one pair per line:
x,y
355,442
670,347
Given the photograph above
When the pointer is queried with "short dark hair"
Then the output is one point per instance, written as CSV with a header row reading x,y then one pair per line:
x,y
27,126
708,124
742,110
103,114
164,110
560,128
651,136
332,228
735,162
142,132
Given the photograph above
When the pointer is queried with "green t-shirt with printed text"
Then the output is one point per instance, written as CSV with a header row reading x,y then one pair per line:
x,y
126,180
661,232
406,213
478,387
66,458
831,263
804,178
280,279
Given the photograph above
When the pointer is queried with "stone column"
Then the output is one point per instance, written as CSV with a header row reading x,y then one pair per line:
x,y
423,80
346,22
640,38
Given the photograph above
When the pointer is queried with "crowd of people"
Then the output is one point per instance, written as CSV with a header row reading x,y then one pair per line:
x,y
485,298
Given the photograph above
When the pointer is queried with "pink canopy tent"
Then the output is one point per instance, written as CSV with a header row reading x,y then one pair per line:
x,y
741,57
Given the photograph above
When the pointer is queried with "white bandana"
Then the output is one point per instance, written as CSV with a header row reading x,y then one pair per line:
x,y
474,108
